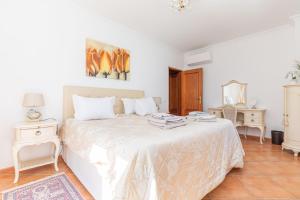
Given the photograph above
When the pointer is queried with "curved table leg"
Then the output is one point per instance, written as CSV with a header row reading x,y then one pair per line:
x,y
262,132
16,163
16,149
57,145
245,131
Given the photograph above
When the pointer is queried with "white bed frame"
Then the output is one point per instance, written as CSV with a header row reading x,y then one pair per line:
x,y
85,171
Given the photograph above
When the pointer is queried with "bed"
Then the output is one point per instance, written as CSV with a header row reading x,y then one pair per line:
x,y
127,158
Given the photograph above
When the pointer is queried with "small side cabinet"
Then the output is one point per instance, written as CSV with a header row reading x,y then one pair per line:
x,y
35,133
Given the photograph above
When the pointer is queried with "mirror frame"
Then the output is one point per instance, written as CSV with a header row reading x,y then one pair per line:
x,y
237,82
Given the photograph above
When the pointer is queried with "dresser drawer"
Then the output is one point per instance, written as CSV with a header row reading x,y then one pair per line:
x,y
253,114
217,113
253,121
253,118
36,133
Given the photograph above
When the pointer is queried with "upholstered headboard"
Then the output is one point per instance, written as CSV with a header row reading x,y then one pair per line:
x,y
69,91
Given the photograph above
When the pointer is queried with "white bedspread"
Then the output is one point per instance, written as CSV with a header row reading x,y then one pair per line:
x,y
142,162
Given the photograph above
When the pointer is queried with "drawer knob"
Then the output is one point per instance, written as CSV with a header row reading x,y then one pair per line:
x,y
37,133
252,114
252,120
214,112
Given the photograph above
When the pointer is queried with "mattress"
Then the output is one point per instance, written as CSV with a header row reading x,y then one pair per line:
x,y
138,161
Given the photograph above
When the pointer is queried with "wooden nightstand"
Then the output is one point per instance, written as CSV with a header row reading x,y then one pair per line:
x,y
35,133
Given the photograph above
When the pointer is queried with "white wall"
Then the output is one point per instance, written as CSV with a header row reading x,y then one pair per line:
x,y
296,20
42,48
261,60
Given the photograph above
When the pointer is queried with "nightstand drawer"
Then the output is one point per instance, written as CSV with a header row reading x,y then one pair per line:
x,y
37,133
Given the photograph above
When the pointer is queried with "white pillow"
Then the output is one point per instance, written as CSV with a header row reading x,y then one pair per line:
x,y
145,106
129,105
93,108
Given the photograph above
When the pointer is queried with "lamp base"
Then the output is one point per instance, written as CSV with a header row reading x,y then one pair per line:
x,y
33,115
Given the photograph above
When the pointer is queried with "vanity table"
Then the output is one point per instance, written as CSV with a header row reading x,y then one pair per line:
x,y
234,93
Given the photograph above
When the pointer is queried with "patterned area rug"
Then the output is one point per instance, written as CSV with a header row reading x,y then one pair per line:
x,y
57,187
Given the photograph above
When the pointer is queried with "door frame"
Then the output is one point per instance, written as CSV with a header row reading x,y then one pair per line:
x,y
179,89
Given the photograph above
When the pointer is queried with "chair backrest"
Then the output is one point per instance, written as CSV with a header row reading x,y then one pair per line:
x,y
230,112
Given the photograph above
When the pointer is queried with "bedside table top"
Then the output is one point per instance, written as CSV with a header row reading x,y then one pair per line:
x,y
28,124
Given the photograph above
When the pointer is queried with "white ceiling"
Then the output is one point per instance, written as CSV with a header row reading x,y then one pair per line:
x,y
205,22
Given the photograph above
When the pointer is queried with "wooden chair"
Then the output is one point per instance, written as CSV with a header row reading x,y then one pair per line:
x,y
230,113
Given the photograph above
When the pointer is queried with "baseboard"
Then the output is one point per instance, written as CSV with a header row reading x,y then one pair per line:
x,y
12,168
7,170
254,137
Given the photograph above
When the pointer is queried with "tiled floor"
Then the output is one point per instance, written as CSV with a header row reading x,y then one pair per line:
x,y
269,174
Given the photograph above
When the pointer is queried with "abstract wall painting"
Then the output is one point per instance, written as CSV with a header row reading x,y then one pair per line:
x,y
107,61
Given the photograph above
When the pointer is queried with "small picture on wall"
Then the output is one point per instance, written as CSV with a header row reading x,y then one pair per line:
x,y
107,61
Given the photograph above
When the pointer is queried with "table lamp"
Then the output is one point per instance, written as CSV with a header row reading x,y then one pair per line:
x,y
157,101
33,101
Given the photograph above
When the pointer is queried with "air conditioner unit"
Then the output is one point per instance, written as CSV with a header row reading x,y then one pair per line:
x,y
197,59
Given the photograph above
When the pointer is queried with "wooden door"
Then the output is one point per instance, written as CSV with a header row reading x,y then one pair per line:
x,y
191,91
174,91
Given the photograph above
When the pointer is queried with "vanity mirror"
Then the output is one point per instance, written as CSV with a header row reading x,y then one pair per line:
x,y
234,93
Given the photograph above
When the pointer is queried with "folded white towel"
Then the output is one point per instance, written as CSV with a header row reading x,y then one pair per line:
x,y
204,118
167,121
164,118
198,113
169,125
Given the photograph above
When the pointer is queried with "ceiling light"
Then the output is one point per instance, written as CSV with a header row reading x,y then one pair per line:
x,y
179,5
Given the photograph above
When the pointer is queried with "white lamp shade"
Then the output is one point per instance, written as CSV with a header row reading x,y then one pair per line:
x,y
33,100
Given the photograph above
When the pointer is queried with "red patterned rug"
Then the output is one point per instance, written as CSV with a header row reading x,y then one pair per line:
x,y
57,187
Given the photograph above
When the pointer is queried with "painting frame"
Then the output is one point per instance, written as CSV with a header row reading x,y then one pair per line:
x,y
107,61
